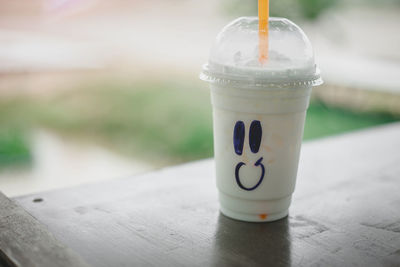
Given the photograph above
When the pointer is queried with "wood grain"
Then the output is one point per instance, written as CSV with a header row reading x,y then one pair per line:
x,y
26,242
345,212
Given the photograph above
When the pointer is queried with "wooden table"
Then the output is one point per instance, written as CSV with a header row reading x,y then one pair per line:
x,y
345,212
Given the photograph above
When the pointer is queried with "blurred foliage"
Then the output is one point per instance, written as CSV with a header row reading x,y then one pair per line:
x,y
14,148
161,122
309,9
323,120
14,145
165,122
374,2
295,9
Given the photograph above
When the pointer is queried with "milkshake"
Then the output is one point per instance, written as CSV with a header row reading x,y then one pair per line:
x,y
259,109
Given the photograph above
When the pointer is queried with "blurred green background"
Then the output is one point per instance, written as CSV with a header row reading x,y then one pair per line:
x,y
166,122
295,9
93,90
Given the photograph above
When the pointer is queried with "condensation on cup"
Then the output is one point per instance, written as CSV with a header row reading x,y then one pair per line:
x,y
258,115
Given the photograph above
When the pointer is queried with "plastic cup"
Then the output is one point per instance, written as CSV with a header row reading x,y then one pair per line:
x,y
258,116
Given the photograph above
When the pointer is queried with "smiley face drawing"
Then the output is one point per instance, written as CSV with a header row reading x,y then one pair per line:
x,y
255,134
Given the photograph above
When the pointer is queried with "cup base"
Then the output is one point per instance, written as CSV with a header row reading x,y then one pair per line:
x,y
253,218
254,210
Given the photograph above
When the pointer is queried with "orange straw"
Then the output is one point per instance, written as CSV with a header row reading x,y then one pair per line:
x,y
263,16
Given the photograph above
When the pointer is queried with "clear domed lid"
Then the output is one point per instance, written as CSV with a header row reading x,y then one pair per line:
x,y
234,56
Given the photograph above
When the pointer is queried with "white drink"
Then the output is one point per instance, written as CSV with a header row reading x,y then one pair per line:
x,y
259,113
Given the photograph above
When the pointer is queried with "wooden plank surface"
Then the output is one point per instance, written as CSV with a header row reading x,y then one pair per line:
x,y
345,212
26,242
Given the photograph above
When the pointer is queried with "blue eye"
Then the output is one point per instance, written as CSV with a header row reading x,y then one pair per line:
x,y
238,137
255,135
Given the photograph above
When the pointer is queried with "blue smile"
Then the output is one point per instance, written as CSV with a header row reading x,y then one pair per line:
x,y
240,164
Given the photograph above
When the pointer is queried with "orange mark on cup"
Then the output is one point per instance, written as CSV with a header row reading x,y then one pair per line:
x,y
271,161
277,139
267,148
263,216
